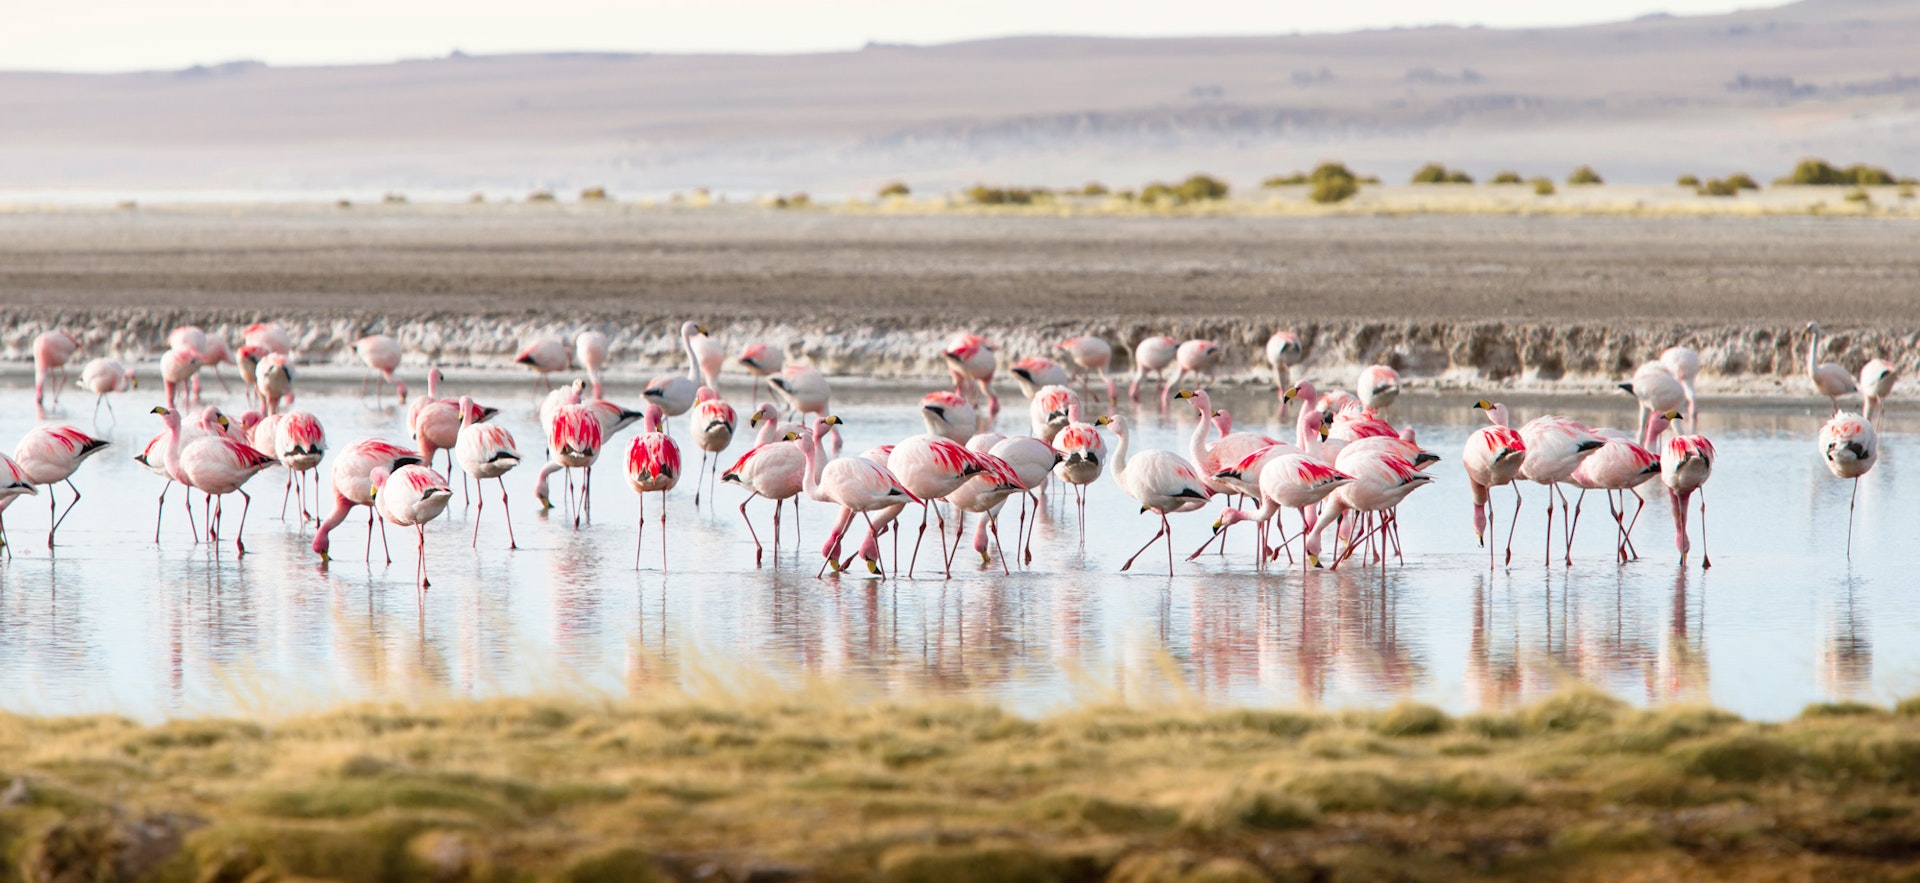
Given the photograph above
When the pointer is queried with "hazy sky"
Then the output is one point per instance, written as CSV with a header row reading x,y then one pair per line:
x,y
146,34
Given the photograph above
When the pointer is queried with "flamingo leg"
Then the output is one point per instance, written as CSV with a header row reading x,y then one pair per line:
x,y
1143,549
239,536
285,494
915,560
993,522
640,534
1574,524
481,509
1706,560
161,514
420,530
758,551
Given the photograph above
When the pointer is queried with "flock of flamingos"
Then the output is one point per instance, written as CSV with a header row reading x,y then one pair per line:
x,y
1347,467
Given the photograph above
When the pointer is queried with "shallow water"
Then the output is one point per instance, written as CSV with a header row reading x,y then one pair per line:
x,y
112,622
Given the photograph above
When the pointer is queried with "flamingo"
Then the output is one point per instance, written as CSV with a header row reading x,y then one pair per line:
x,y
1684,363
1032,461
776,470
1849,446
653,466
930,468
1493,457
353,486
486,450
1283,352
1830,379
949,416
1048,411
590,350
674,392
1083,455
269,336
14,482
1229,450
1034,372
177,366
1619,465
859,486
1877,377
1379,385
1092,355
51,350
713,424
215,466
1685,464
247,359
1195,357
51,454
711,357
153,458
214,354
410,497
984,494
1151,357
546,355
971,359
1289,481
1658,391
762,360
1161,482
274,380
1380,482
103,376
1555,446
575,438
437,427
299,442
803,388
381,354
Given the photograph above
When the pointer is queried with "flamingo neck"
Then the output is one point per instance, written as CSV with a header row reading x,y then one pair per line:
x,y
767,426
1813,346
1199,444
1120,454
810,479
174,444
693,361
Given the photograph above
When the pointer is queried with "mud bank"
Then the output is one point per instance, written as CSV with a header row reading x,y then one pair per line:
x,y
1734,359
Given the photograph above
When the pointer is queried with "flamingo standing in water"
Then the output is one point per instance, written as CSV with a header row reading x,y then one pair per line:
x,y
1161,482
776,470
214,354
575,439
1083,457
590,350
381,353
1877,377
1092,355
1196,358
1830,379
713,424
103,376
1049,411
51,350
984,494
546,355
1032,461
1493,457
410,497
1555,446
653,466
486,450
930,468
1685,464
1151,357
1379,385
269,336
1849,446
1034,373
1381,481
273,378
215,466
51,454
971,359
674,393
1619,466
949,416
1283,352
1684,363
857,485
803,388
762,360
177,366
1289,481
14,482
353,486
299,442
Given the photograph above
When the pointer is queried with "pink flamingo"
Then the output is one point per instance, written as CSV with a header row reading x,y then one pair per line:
x,y
546,355
215,466
776,470
1493,457
1161,482
104,376
269,336
1620,465
1381,481
1151,356
410,497
930,468
1032,461
1877,377
949,416
14,482
273,378
1034,372
1379,385
653,466
1091,355
762,360
713,424
247,359
674,393
1685,465
51,454
214,354
177,366
984,494
353,486
299,441
1684,363
1049,411
575,439
1657,390
1290,481
485,451
1555,446
1830,379
1283,352
51,350
381,354
437,427
1849,446
857,485
1083,456
971,359
1197,358
590,350
153,457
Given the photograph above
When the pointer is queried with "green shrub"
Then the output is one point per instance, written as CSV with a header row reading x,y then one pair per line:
x,y
540,196
1687,181
1860,196
984,195
897,188
1435,173
1717,187
797,200
477,197
594,194
1332,182
1094,188
1819,172
1583,176
1543,186
1508,178
1742,181
1369,179
1906,191
1294,180
1196,188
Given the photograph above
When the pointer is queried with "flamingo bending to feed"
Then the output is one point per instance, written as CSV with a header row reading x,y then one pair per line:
x,y
762,360
486,450
575,439
1658,391
776,470
1379,385
653,466
1830,379
269,336
51,350
177,366
547,356
674,392
299,442
410,497
1283,352
51,454
214,354
1196,358
14,482
1877,377
1092,355
1162,482
1381,481
1619,466
930,468
1849,446
437,427
1034,373
353,486
381,354
1493,457
1049,411
1684,363
1555,446
971,359
590,350
273,378
1685,464
1290,481
857,485
1032,461
984,494
215,466
713,424
103,376
1151,356
949,416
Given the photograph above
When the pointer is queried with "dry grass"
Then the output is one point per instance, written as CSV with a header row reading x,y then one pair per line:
x,y
812,786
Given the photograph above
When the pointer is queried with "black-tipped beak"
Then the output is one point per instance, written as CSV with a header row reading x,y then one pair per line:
x,y
1628,387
